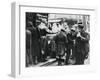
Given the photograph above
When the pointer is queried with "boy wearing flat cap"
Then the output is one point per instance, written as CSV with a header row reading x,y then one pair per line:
x,y
70,45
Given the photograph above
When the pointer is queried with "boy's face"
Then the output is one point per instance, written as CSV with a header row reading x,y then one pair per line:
x,y
79,29
65,25
73,32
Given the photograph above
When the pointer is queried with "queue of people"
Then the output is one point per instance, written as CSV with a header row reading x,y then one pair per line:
x,y
68,43
36,44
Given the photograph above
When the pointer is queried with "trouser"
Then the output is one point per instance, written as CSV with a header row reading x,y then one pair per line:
x,y
60,60
53,54
28,57
68,52
36,59
79,58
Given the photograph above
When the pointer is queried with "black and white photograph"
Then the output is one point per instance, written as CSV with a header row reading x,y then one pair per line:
x,y
55,39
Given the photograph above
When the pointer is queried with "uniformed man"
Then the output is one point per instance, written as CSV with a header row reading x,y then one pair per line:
x,y
81,45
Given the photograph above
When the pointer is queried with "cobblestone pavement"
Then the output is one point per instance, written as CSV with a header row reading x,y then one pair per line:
x,y
53,62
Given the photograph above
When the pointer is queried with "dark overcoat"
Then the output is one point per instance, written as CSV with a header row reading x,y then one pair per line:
x,y
82,45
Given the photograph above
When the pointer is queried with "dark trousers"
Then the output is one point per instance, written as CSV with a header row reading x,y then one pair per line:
x,y
60,60
67,56
79,58
68,52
